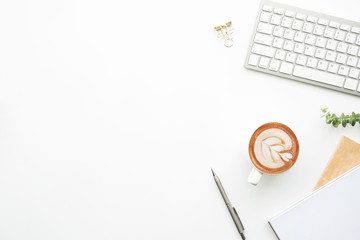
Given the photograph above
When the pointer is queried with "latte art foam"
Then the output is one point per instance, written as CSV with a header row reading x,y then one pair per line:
x,y
271,148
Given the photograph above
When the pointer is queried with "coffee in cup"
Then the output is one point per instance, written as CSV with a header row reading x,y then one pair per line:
x,y
273,149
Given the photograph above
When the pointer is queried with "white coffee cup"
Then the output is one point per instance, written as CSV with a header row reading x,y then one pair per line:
x,y
273,149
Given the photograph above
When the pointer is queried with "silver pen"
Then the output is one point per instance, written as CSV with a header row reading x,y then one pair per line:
x,y
231,209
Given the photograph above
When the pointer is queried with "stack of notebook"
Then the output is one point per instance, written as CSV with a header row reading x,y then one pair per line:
x,y
332,211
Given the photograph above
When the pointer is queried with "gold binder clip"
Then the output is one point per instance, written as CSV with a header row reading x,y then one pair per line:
x,y
225,31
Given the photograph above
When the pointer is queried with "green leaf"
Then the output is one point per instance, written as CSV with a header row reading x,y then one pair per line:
x,y
328,118
343,120
336,123
353,119
358,117
334,117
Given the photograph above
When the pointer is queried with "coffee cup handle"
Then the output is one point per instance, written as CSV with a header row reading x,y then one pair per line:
x,y
254,177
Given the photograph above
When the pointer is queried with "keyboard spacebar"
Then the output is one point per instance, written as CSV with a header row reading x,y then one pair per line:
x,y
319,76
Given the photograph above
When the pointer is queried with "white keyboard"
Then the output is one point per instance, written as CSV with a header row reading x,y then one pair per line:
x,y
306,46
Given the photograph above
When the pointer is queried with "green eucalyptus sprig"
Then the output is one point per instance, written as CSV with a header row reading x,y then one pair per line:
x,y
342,119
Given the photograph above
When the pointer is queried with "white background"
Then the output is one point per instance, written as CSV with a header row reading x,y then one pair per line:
x,y
113,112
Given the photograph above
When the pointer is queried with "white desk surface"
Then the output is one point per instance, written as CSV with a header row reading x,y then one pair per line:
x,y
113,112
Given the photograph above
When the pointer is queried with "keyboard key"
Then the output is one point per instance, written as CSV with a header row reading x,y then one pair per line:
x,y
265,28
318,30
290,14
278,31
345,27
331,44
351,61
333,68
299,48
339,35
286,68
341,58
264,62
330,56
297,24
355,30
319,76
280,54
267,8
299,37
357,40
342,47
263,39
274,65
351,84
301,60
253,60
300,16
263,50
286,22
265,17
334,24
308,27
309,51
279,11
288,45
290,57
275,19
343,70
322,65
289,34
310,39
352,50
350,38
329,32
320,53
311,62
320,42
354,73
322,21
278,42
311,19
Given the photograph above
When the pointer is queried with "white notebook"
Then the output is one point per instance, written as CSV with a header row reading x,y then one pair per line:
x,y
332,212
